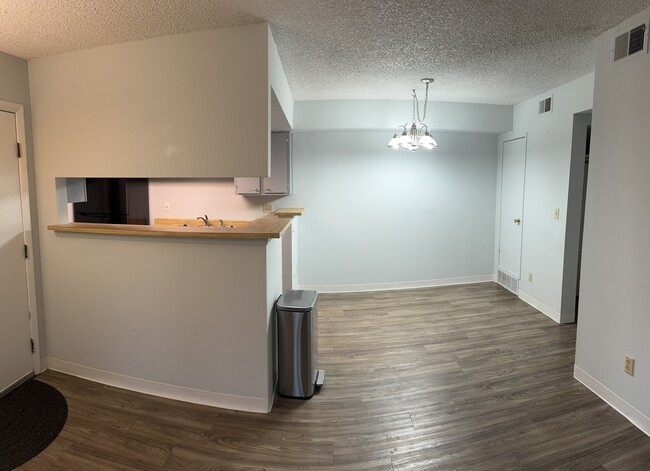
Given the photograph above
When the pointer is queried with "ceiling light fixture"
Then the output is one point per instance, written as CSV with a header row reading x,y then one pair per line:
x,y
413,138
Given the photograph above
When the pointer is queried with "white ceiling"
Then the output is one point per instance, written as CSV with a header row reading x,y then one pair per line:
x,y
482,51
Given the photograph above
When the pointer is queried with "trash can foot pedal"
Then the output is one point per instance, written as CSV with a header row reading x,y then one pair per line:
x,y
320,378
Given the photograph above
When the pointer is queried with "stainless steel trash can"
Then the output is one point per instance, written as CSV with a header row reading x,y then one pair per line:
x,y
298,372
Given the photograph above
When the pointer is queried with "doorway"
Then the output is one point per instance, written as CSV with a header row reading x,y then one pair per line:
x,y
513,170
580,147
15,335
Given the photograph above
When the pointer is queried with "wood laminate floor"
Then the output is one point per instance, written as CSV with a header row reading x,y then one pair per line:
x,y
465,377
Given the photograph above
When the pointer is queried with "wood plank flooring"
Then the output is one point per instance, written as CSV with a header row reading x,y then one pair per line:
x,y
453,378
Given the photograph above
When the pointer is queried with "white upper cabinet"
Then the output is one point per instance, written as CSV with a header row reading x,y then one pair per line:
x,y
279,183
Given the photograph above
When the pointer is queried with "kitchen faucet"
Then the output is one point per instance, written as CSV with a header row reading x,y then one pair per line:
x,y
204,219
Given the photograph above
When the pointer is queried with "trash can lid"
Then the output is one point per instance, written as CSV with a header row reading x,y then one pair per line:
x,y
298,300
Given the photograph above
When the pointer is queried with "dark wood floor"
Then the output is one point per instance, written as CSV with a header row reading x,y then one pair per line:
x,y
464,377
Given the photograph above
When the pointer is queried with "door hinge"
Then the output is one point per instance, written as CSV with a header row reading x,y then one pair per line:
x,y
32,342
20,154
26,253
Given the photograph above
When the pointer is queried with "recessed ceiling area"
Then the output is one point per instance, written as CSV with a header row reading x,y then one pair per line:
x,y
480,51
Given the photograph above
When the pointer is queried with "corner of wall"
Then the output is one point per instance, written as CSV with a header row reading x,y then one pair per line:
x,y
278,81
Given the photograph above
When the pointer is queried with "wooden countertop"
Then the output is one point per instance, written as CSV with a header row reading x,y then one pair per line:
x,y
289,212
270,226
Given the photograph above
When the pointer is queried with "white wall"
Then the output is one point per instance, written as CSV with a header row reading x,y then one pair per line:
x,y
614,299
181,105
190,198
548,164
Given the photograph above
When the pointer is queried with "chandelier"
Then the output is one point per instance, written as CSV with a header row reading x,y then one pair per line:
x,y
415,136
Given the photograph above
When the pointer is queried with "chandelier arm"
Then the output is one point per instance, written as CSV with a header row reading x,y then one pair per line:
x,y
415,104
426,100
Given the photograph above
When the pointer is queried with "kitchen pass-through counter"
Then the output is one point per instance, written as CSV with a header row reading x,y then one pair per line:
x,y
180,312
270,226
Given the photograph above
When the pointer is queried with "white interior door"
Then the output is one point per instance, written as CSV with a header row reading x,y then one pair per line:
x,y
15,346
512,206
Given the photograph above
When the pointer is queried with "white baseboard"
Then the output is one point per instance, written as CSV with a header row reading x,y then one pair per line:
x,y
541,307
17,383
170,391
398,284
624,408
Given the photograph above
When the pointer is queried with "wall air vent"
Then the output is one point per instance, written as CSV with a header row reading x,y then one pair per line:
x,y
637,38
508,282
630,42
545,105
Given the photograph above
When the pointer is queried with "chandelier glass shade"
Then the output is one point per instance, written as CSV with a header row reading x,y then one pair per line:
x,y
416,135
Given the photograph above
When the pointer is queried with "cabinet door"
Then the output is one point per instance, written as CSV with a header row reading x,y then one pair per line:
x,y
247,185
278,182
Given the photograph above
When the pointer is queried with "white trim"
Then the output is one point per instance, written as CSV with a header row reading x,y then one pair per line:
x,y
170,391
399,284
509,273
624,408
23,168
543,308
17,383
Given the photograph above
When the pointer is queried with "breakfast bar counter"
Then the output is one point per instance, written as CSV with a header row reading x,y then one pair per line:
x,y
176,311
270,226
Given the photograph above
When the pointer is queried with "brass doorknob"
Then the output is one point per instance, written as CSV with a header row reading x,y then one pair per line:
x,y
517,221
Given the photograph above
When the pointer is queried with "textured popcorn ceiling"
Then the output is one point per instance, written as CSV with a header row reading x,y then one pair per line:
x,y
483,51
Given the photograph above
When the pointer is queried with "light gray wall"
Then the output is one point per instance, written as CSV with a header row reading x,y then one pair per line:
x,y
181,318
375,218
336,115
380,218
615,299
548,164
187,105
176,318
14,88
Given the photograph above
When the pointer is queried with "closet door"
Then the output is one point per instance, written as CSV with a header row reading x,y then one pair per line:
x,y
512,206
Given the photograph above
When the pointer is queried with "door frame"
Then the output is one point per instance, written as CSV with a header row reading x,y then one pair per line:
x,y
511,136
23,174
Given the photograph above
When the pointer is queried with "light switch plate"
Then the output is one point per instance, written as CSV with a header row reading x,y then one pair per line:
x,y
556,213
268,208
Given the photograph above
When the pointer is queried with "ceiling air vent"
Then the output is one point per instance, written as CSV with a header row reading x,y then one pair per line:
x,y
630,42
545,105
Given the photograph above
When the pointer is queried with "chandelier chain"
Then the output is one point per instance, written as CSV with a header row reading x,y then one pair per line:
x,y
417,105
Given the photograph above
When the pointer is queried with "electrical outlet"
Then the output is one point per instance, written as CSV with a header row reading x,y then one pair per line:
x,y
629,365
168,207
268,208
530,278
556,213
